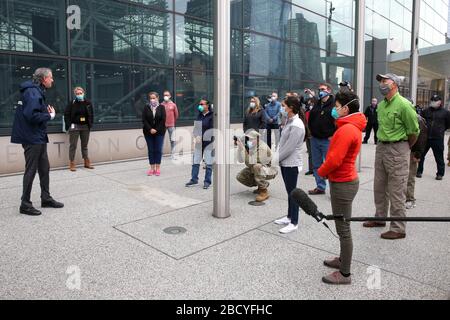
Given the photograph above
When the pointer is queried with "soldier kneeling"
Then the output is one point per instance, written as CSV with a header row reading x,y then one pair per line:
x,y
257,156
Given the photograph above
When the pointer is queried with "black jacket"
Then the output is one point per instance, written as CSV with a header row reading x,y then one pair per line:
x,y
438,120
77,111
371,115
158,122
31,117
421,143
254,121
321,123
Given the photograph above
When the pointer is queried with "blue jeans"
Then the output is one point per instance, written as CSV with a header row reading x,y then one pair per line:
x,y
290,176
199,154
319,149
154,146
171,131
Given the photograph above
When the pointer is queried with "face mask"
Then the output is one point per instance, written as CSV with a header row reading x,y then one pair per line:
x,y
385,89
166,98
250,144
154,103
80,97
274,99
334,113
323,94
252,105
284,112
201,108
374,104
434,104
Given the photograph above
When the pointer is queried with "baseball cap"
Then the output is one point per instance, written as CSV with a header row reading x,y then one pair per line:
x,y
344,84
435,97
391,76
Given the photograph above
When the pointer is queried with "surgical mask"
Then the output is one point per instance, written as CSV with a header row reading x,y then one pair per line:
x,y
201,108
153,103
434,104
334,113
166,98
323,94
385,89
273,99
80,97
284,112
250,144
252,105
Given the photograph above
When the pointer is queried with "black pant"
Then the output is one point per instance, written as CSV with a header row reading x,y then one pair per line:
x,y
36,159
437,145
290,176
269,128
370,126
310,162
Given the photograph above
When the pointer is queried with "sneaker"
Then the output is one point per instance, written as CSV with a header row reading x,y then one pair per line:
x,y
191,183
418,175
364,142
157,173
52,204
283,221
150,172
316,191
206,185
410,204
439,177
392,235
30,211
289,228
333,263
337,278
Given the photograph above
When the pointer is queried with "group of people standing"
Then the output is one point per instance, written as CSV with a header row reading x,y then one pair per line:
x,y
331,124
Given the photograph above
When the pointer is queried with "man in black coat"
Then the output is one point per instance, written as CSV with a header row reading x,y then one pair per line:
x,y
30,130
372,121
438,121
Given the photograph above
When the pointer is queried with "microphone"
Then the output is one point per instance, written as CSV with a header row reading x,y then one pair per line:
x,y
307,205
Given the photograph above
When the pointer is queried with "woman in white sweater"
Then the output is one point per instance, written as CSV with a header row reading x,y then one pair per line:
x,y
290,158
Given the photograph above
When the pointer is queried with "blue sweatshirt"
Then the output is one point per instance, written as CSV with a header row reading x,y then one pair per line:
x,y
272,111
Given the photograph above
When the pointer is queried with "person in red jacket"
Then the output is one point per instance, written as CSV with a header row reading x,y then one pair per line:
x,y
339,168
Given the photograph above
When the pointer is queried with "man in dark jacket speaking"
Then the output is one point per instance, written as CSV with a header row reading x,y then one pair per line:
x,y
30,130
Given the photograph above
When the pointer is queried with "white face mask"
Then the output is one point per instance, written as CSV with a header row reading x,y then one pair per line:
x,y
434,104
252,105
166,98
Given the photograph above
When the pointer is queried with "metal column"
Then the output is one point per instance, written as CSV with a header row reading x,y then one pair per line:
x,y
414,58
360,56
222,32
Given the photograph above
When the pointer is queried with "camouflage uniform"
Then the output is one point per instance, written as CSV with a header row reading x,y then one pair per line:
x,y
258,170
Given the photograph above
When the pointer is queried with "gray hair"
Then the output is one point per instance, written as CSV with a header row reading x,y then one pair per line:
x,y
40,74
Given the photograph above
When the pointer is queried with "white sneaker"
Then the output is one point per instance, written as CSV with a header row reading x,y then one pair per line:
x,y
282,221
410,204
289,228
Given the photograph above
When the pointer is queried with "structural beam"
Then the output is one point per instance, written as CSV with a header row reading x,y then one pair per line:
x,y
360,56
222,108
414,58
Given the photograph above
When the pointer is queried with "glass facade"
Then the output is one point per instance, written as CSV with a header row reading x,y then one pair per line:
x,y
122,49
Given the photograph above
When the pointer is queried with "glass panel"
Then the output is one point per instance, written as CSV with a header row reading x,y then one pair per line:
x,y
33,26
16,70
191,88
306,63
196,8
236,103
262,87
236,51
119,92
267,16
265,56
162,4
121,32
194,43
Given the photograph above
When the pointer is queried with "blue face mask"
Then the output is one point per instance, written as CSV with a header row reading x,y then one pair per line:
x,y
80,97
323,94
201,108
334,113
250,144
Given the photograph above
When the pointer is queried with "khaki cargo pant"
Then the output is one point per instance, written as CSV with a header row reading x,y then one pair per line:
x,y
256,175
390,183
411,179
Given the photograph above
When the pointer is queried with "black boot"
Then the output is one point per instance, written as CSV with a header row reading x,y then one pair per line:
x,y
30,211
51,204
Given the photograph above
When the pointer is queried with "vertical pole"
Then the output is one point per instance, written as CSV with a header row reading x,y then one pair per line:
x,y
222,141
360,56
414,58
